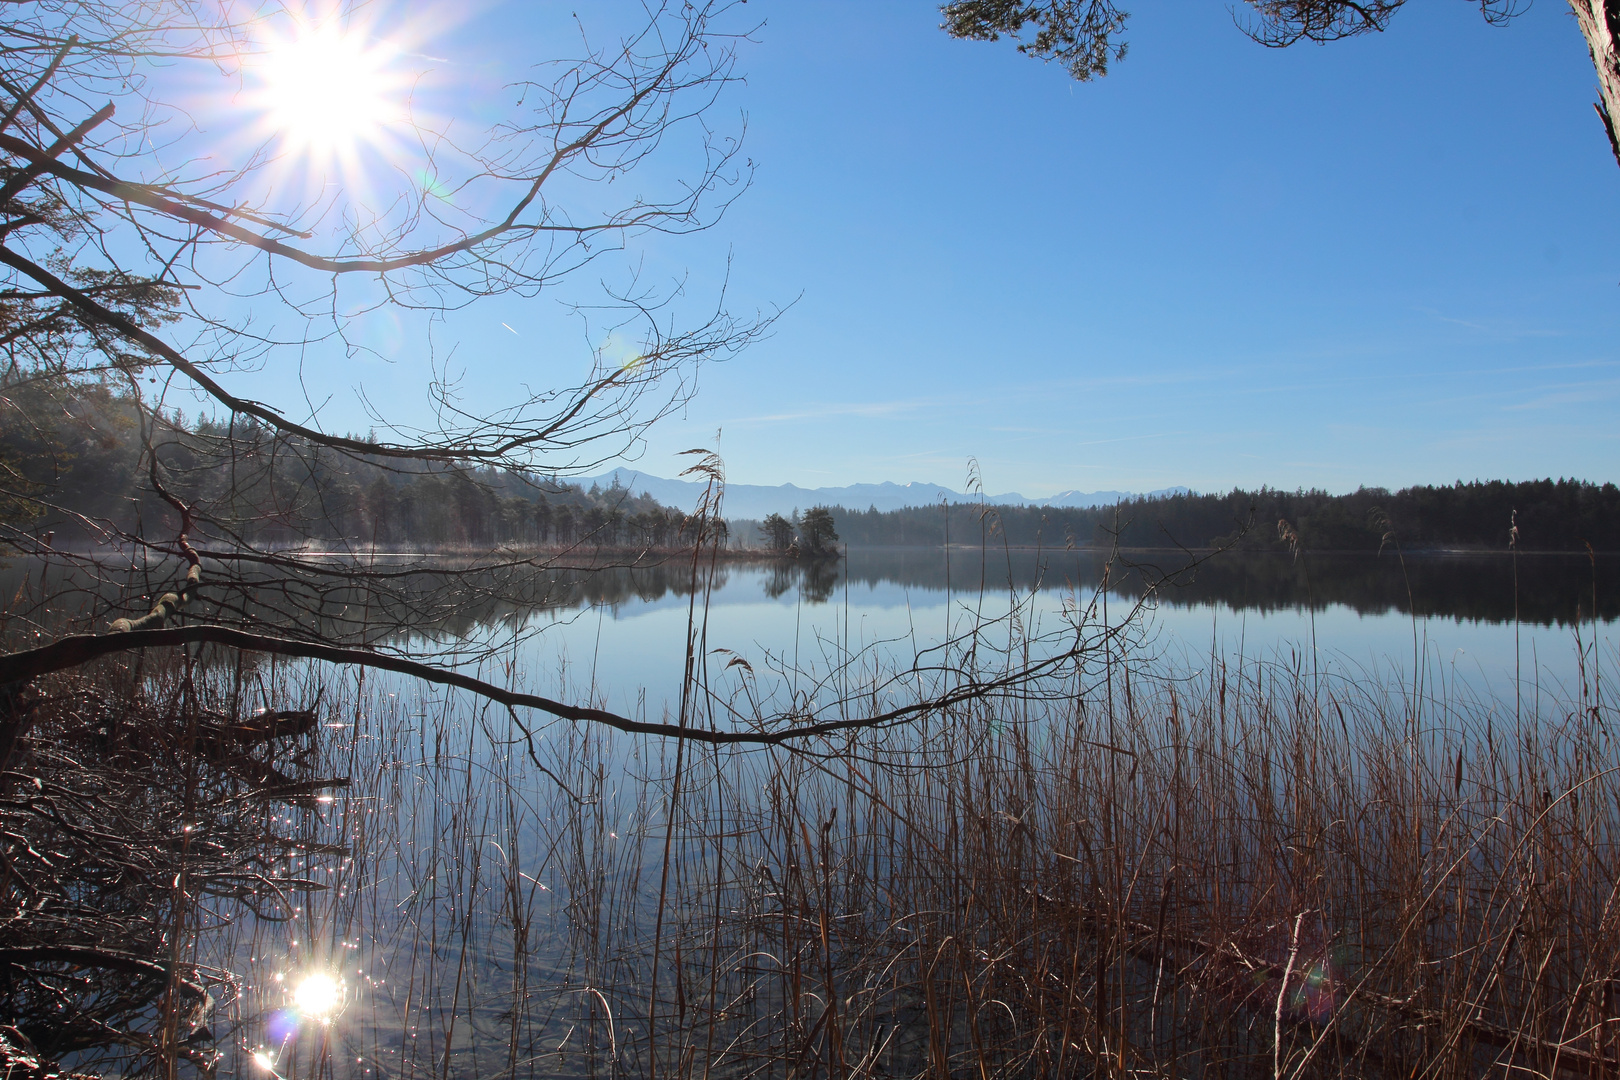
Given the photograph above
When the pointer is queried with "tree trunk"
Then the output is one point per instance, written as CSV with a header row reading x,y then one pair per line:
x,y
1600,25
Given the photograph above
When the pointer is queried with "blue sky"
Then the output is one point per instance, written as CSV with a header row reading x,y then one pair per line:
x,y
1386,261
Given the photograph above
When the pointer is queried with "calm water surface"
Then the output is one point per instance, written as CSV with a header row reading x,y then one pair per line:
x,y
619,637
446,819
1455,614
619,634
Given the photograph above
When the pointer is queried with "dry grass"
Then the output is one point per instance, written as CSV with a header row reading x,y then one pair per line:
x,y
1251,869
1232,873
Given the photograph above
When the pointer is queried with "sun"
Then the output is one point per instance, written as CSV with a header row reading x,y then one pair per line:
x,y
319,996
325,91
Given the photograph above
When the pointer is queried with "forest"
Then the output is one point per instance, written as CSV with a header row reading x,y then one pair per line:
x,y
1534,515
70,458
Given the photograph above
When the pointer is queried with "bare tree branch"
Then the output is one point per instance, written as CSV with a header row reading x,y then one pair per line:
x,y
75,651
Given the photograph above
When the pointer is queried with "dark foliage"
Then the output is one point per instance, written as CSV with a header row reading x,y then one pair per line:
x,y
70,462
810,536
817,533
1552,515
1086,34
1083,35
777,532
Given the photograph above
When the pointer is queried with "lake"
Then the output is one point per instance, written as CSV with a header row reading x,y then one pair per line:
x,y
623,627
559,900
480,876
617,634
1460,615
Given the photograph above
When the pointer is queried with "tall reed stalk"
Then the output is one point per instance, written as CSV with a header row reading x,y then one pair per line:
x,y
1159,872
1133,869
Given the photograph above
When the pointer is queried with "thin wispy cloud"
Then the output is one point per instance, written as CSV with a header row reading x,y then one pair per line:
x,y
1358,380
1503,329
1569,394
1087,442
868,409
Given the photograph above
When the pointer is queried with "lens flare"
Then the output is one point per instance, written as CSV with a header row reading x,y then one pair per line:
x,y
318,996
282,1025
1316,993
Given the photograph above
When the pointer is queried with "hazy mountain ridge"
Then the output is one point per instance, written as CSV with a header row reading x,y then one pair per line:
x,y
758,500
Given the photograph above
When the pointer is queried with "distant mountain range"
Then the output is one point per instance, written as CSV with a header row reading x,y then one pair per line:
x,y
758,500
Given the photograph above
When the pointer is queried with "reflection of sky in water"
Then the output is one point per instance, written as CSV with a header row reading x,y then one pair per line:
x,y
635,644
641,644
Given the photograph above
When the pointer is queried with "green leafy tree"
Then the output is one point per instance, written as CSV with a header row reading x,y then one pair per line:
x,y
63,444
562,524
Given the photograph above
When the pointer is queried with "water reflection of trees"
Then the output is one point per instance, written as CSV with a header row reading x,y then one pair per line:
x,y
426,600
419,598
815,579
1551,589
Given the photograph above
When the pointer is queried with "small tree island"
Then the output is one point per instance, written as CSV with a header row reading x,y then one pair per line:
x,y
809,537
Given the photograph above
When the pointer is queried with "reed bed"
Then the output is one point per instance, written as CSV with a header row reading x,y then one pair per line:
x,y
1131,866
1244,870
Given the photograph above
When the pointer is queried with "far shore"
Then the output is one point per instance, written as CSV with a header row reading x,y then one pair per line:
x,y
619,555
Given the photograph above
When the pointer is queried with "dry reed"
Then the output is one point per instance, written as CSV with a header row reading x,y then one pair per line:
x,y
1224,873
1249,869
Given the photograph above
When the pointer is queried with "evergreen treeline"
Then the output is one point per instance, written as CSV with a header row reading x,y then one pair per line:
x,y
811,536
78,449
1551,515
68,451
